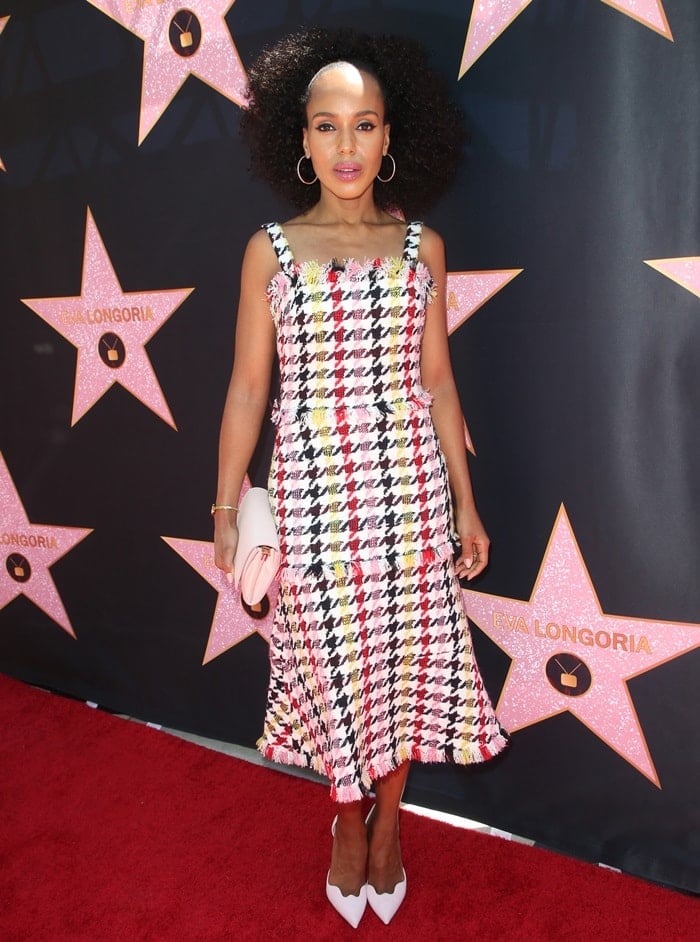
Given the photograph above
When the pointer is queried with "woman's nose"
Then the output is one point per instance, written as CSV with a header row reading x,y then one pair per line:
x,y
346,143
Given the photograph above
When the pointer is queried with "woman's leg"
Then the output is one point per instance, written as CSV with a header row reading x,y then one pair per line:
x,y
349,856
385,867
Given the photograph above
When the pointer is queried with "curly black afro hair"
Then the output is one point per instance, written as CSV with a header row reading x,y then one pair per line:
x,y
427,128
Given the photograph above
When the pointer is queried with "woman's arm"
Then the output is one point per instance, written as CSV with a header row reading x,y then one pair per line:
x,y
248,392
438,379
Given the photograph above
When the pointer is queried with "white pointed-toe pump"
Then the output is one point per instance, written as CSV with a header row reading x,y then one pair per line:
x,y
351,908
385,905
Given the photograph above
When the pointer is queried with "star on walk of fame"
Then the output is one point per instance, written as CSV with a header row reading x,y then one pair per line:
x,y
28,551
3,24
231,623
180,39
684,271
110,328
567,654
490,19
467,291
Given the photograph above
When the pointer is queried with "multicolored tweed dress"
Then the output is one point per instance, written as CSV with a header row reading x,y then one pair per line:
x,y
371,658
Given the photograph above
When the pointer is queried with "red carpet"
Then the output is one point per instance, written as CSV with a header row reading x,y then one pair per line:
x,y
113,831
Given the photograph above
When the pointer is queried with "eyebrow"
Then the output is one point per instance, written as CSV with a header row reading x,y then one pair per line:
x,y
330,114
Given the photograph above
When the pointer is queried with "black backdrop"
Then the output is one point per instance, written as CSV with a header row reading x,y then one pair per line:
x,y
579,378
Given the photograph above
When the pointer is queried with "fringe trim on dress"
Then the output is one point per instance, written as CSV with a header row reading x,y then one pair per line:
x,y
363,568
314,275
473,755
285,412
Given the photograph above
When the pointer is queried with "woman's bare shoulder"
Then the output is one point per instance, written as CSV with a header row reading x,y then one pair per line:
x,y
260,263
260,256
259,243
431,240
432,248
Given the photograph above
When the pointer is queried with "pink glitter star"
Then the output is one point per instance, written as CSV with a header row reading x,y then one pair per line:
x,y
490,18
3,24
467,291
647,12
181,38
684,271
231,623
568,655
110,328
28,551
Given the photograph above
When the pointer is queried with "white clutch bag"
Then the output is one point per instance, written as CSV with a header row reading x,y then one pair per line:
x,y
257,557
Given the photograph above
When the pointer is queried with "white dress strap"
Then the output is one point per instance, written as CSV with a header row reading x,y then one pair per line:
x,y
281,246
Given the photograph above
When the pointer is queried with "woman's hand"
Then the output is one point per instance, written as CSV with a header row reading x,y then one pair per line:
x,y
474,553
225,542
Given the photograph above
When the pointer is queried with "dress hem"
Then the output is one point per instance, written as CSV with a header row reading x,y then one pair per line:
x,y
473,755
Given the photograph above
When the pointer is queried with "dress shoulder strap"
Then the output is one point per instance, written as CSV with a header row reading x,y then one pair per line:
x,y
281,246
412,241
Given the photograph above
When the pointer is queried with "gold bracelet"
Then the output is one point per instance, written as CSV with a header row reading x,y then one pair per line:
x,y
215,507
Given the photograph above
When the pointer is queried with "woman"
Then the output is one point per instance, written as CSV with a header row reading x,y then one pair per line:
x,y
371,661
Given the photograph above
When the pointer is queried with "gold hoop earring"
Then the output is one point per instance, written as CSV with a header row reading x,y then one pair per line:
x,y
393,170
305,182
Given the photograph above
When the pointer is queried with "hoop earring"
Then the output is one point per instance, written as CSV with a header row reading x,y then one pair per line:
x,y
393,170
305,182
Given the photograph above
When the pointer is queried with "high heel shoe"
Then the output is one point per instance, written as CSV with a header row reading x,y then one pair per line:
x,y
385,905
350,908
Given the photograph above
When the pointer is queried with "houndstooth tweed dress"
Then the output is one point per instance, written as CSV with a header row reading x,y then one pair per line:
x,y
371,660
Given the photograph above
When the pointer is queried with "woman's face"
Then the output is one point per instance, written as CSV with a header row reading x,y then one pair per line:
x,y
345,136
